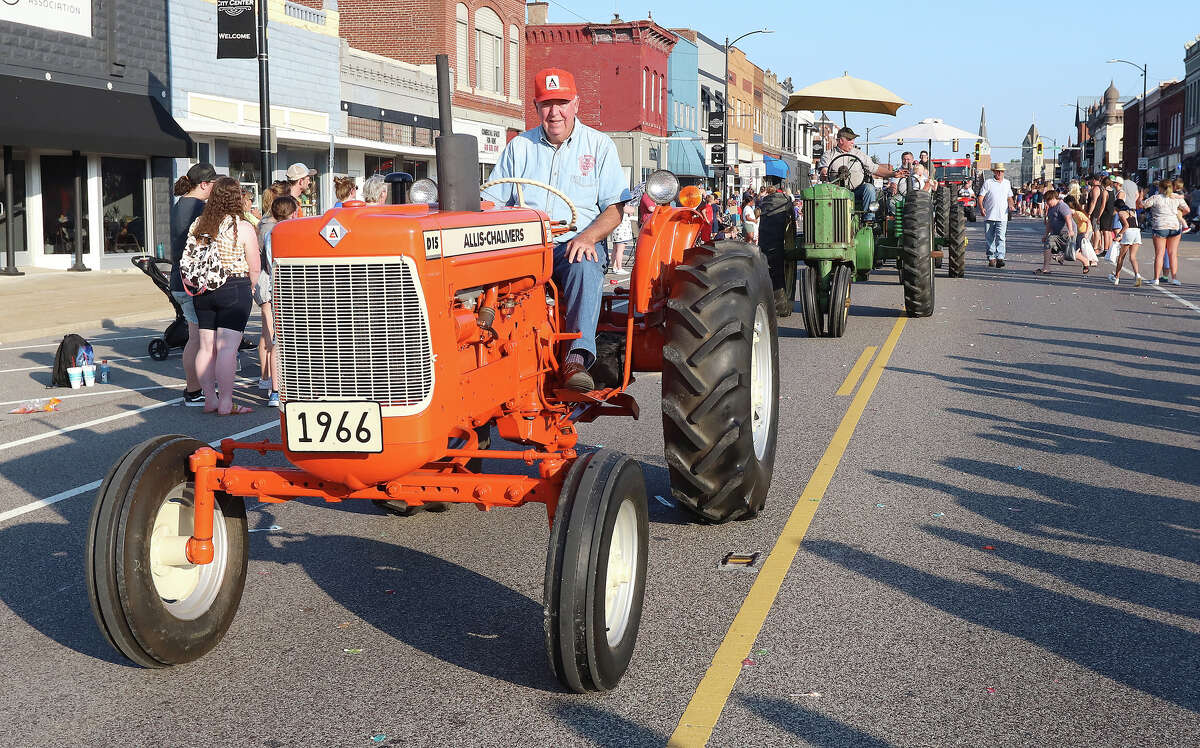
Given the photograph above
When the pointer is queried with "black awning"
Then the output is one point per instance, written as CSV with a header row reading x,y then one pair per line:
x,y
44,114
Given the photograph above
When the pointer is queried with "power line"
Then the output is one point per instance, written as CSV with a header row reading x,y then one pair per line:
x,y
585,20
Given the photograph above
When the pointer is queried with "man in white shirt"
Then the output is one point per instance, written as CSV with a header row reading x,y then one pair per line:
x,y
995,200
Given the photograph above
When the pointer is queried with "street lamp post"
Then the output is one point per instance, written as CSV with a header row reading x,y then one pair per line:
x,y
725,129
868,136
1141,109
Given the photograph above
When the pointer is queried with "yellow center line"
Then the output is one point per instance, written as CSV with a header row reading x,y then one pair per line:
x,y
700,717
856,371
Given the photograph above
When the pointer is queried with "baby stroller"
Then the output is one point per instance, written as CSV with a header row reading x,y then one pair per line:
x,y
176,334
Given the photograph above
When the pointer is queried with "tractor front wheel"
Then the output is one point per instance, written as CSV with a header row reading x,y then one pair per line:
x,y
916,256
814,323
958,243
151,605
839,300
720,384
596,571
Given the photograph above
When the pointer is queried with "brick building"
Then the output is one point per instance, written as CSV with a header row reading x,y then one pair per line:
x,y
742,110
86,98
1191,112
1164,115
485,40
621,70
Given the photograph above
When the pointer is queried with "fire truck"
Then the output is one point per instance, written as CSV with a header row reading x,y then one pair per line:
x,y
957,173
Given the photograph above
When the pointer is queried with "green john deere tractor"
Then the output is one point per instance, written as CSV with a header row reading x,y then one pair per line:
x,y
838,247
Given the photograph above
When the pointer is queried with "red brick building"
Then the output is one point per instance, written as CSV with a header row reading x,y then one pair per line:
x,y
620,69
484,39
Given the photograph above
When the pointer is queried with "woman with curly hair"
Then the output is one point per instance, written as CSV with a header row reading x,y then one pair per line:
x,y
222,312
344,188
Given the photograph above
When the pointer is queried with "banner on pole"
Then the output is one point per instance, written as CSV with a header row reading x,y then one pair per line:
x,y
716,127
236,35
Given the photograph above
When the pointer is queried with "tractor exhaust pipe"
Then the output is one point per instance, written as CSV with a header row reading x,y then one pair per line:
x,y
457,155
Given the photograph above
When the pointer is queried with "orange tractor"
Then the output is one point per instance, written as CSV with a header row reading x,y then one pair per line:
x,y
405,334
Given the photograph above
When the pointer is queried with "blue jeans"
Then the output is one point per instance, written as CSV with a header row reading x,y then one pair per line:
x,y
993,232
579,287
865,195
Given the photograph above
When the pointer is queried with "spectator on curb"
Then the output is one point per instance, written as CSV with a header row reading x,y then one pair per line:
x,y
995,201
749,221
299,179
344,188
282,208
375,190
193,190
1131,241
1060,230
222,312
1164,209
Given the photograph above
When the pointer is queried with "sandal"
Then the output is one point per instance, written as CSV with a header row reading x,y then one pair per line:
x,y
1086,268
1041,271
238,410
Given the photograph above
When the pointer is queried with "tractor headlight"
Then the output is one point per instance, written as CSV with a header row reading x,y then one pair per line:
x,y
662,186
423,191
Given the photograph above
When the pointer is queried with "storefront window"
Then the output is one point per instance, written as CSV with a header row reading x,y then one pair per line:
x,y
244,166
58,206
418,169
373,165
124,197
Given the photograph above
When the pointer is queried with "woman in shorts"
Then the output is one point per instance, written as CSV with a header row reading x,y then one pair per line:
x,y
749,220
222,313
1131,241
1165,210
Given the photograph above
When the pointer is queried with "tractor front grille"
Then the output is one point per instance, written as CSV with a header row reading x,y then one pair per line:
x,y
352,330
841,220
838,232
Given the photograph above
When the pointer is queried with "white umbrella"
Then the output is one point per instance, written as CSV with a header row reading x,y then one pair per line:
x,y
931,129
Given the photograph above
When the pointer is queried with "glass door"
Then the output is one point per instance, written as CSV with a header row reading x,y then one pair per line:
x,y
12,207
58,206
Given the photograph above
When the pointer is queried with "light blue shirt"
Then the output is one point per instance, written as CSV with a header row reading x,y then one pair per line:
x,y
585,168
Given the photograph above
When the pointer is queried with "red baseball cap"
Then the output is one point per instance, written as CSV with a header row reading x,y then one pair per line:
x,y
553,83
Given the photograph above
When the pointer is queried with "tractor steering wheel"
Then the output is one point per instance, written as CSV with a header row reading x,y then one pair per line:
x,y
846,170
556,227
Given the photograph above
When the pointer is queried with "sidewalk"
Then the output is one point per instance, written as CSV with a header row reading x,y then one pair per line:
x,y
44,303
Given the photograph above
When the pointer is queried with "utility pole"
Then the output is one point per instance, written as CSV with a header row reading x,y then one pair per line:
x,y
264,99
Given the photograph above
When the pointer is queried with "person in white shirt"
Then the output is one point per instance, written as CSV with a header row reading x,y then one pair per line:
x,y
995,200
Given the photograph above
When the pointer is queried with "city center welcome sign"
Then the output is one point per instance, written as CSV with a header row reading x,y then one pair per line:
x,y
235,29
69,16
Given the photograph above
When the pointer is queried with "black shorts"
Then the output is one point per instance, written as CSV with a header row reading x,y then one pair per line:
x,y
227,308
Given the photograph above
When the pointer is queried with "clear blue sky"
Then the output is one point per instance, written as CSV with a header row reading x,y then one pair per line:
x,y
1020,60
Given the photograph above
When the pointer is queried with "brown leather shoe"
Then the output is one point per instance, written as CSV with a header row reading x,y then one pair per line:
x,y
991,263
575,377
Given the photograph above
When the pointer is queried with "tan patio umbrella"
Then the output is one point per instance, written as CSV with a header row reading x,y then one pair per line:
x,y
846,94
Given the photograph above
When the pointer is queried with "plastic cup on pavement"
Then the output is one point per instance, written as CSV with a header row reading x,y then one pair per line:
x,y
89,376
75,374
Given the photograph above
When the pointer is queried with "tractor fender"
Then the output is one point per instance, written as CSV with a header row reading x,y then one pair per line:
x,y
864,249
668,233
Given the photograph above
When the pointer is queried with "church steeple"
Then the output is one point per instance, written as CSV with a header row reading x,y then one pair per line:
x,y
983,123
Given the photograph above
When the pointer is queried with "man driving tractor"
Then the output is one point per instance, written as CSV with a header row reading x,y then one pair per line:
x,y
865,192
583,164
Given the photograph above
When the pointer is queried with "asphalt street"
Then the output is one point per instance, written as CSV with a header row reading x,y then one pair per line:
x,y
1007,554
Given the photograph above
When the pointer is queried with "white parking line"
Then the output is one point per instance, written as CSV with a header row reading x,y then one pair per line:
x,y
72,492
1181,300
93,342
86,424
93,394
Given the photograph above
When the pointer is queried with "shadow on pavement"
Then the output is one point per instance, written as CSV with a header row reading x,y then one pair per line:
x,y
602,727
810,726
1150,656
452,613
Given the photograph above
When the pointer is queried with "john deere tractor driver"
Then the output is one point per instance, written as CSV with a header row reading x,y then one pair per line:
x,y
845,156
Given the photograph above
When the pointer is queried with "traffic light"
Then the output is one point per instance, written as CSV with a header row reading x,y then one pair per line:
x,y
1039,148
954,145
978,149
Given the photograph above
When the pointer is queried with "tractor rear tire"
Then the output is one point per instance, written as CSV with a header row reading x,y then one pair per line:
x,y
839,300
916,256
595,580
941,212
814,321
958,243
720,384
155,612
